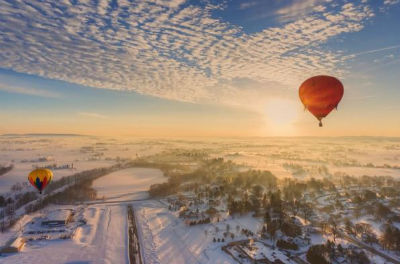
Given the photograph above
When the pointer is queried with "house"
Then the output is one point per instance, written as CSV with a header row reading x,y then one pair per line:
x,y
13,245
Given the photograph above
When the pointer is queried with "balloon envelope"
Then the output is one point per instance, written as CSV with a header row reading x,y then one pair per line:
x,y
40,178
321,94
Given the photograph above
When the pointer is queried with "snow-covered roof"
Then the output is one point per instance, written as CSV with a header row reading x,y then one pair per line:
x,y
58,215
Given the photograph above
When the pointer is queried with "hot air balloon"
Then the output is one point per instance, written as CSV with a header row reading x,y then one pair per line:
x,y
40,178
320,95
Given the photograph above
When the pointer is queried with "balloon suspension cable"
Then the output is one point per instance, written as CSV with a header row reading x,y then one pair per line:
x,y
320,123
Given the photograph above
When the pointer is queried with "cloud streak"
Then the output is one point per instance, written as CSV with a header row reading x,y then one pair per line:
x,y
168,49
28,91
374,51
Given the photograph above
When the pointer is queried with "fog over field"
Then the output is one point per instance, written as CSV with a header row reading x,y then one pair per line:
x,y
286,157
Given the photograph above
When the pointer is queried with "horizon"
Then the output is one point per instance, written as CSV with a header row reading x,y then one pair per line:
x,y
182,137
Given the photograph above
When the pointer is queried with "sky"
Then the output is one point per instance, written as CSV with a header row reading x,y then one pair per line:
x,y
196,68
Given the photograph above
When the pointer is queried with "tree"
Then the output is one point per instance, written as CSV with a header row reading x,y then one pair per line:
x,y
267,217
2,201
317,254
334,228
349,227
264,200
294,207
391,238
306,210
272,228
255,203
257,190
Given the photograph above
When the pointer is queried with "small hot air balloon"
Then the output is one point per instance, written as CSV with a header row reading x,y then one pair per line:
x,y
40,178
320,95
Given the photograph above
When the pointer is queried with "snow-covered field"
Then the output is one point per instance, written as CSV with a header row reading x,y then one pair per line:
x,y
81,152
127,184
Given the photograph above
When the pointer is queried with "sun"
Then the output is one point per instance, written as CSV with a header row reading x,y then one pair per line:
x,y
280,115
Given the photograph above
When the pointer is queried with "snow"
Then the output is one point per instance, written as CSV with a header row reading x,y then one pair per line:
x,y
166,239
102,240
83,152
128,184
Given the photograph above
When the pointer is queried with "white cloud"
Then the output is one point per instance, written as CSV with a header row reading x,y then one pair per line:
x,y
246,5
169,50
391,2
28,91
299,8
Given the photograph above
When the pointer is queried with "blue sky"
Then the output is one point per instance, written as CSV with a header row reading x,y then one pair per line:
x,y
179,67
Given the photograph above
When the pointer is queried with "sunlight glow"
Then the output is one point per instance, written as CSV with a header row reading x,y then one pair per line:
x,y
281,112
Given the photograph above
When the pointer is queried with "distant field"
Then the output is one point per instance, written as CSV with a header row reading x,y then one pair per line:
x,y
127,184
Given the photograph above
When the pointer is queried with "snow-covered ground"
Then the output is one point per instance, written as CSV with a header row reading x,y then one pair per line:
x,y
104,238
127,184
166,239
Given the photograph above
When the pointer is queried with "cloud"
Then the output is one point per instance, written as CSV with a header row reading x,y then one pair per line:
x,y
246,5
28,91
391,2
92,115
170,49
299,8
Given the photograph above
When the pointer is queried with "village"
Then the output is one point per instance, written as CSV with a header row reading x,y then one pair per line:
x,y
313,221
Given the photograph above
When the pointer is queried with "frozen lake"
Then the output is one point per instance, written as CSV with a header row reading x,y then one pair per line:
x,y
127,184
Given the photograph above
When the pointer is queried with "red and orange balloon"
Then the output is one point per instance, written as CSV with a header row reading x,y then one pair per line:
x,y
320,95
40,178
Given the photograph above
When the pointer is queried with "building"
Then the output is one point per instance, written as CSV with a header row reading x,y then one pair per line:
x,y
58,218
14,245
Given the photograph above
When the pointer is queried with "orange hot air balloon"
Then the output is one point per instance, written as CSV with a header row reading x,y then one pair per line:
x,y
40,178
320,95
